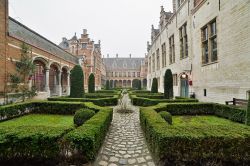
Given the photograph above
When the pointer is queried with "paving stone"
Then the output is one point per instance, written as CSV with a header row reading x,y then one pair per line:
x,y
141,160
131,161
125,143
113,159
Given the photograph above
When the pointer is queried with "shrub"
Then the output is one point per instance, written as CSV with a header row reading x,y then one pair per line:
x,y
91,83
82,115
108,101
76,82
107,85
136,84
195,144
141,101
248,113
154,88
168,84
166,116
88,138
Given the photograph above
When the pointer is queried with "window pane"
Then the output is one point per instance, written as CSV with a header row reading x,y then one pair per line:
x,y
214,49
213,29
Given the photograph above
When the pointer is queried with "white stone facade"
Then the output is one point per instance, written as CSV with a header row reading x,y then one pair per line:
x,y
215,80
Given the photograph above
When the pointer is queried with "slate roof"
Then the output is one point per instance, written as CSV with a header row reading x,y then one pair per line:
x,y
23,33
113,64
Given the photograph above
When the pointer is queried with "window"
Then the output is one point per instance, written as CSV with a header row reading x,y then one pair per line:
x,y
209,43
124,74
163,49
133,74
175,80
84,45
120,74
149,65
153,62
158,59
129,74
138,74
171,50
183,41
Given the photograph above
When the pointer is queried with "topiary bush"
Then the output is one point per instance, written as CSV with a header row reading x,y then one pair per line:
x,y
154,88
107,85
76,82
82,115
91,83
166,116
248,113
168,84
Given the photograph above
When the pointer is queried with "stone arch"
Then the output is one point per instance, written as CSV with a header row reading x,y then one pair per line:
x,y
39,76
144,83
54,78
124,83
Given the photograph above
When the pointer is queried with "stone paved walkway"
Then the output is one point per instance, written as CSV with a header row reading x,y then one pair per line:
x,y
125,143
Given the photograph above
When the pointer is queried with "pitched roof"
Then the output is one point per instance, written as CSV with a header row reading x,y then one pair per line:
x,y
113,64
23,33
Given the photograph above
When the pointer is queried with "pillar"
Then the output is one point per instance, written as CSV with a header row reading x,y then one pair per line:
x,y
47,81
68,83
59,86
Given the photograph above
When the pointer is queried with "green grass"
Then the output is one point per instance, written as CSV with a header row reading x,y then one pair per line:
x,y
40,120
206,125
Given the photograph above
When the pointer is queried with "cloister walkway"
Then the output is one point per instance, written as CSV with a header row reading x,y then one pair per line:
x,y
125,143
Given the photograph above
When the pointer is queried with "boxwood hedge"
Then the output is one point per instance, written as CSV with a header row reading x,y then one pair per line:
x,y
54,143
141,101
199,145
108,101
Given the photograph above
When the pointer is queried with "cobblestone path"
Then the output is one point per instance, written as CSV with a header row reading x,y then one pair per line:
x,y
125,143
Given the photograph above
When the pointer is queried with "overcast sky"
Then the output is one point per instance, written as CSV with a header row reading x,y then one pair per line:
x,y
123,26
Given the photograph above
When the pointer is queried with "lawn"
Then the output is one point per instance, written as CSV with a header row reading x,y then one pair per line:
x,y
206,126
40,120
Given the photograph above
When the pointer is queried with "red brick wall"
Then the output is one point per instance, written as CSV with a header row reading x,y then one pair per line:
x,y
3,26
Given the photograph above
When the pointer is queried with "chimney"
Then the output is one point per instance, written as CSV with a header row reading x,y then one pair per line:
x,y
130,55
107,55
174,5
116,55
84,31
99,42
64,39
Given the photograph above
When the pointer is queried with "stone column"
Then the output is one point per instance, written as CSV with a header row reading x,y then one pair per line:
x,y
47,89
68,83
59,86
131,83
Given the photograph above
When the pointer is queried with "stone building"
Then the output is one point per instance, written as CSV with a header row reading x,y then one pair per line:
x,y
53,64
206,44
122,71
85,48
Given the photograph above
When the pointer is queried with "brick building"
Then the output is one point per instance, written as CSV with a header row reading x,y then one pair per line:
x,y
206,44
122,71
90,52
53,64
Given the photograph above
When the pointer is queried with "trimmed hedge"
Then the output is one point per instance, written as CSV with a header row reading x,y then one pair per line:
x,y
202,145
41,107
77,82
110,101
56,144
140,101
82,115
168,84
166,116
248,112
27,143
88,138
232,113
154,88
91,83
107,91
